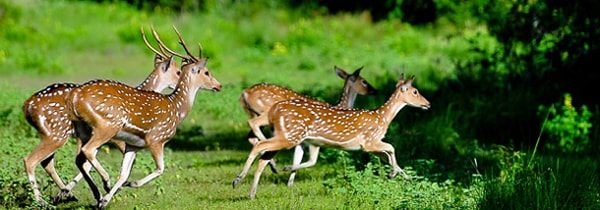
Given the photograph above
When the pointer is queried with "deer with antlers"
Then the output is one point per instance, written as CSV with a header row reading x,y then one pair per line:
x,y
258,99
46,112
296,121
141,119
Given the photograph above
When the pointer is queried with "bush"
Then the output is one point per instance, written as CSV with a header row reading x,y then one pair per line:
x,y
567,127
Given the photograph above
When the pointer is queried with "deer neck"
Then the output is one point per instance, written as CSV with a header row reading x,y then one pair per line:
x,y
151,83
392,106
348,97
183,97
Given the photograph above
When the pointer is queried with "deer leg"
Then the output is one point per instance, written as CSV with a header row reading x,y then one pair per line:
x,y
386,152
87,167
80,160
128,159
88,152
262,163
83,134
246,167
314,155
274,143
65,193
268,148
157,151
298,154
255,124
44,154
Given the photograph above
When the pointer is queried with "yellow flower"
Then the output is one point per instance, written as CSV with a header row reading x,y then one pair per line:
x,y
279,49
568,101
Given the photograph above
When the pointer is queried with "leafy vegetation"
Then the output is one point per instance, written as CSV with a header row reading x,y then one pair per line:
x,y
568,129
493,72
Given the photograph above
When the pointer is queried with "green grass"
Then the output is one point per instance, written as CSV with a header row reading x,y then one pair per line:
x,y
70,41
202,180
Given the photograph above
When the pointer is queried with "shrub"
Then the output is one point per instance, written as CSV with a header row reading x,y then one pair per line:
x,y
568,127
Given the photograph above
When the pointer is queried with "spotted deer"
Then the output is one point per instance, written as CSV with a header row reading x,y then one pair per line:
x,y
142,119
46,112
296,121
257,100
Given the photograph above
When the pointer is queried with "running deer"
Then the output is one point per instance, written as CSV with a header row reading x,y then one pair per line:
x,y
257,100
141,119
47,113
295,121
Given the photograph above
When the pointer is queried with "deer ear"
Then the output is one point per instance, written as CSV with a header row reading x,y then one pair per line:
x,y
407,84
400,81
157,60
164,65
204,61
340,72
171,59
356,74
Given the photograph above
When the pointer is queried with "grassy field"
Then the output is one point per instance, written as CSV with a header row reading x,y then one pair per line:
x,y
70,41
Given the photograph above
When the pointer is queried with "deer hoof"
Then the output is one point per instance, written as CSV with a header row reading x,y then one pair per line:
x,y
65,196
392,174
236,182
130,184
102,203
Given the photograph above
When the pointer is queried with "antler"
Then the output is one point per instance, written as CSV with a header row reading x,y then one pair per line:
x,y
163,46
200,50
182,42
161,53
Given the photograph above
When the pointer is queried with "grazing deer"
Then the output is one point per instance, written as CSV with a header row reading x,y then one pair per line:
x,y
295,121
257,100
141,119
46,112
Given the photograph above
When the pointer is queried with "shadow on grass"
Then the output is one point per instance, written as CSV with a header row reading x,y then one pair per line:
x,y
194,138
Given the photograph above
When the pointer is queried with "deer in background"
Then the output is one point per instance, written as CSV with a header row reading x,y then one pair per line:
x,y
296,121
258,99
46,112
142,119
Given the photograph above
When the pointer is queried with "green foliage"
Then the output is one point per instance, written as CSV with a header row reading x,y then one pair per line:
x,y
14,189
473,79
554,183
12,120
371,187
24,46
568,128
511,163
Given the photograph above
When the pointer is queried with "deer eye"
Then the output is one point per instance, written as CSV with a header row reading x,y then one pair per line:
x,y
178,73
206,73
415,92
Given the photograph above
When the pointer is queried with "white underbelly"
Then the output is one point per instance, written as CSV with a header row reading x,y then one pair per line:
x,y
346,144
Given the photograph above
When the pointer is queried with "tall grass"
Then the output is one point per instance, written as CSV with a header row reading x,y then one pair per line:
x,y
555,183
